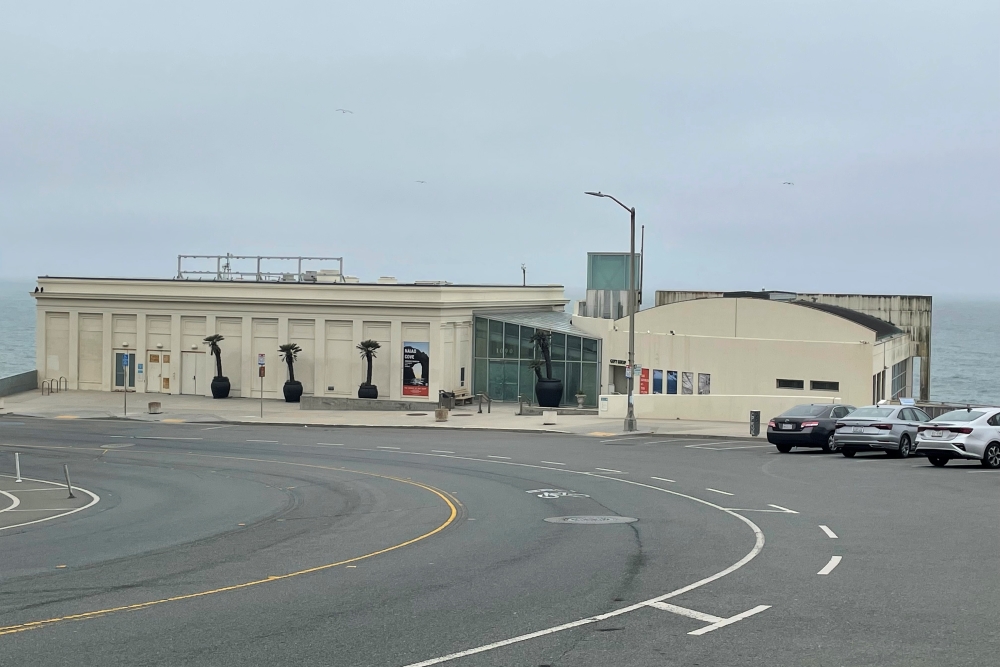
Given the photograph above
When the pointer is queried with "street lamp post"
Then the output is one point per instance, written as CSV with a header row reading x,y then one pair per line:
x,y
630,424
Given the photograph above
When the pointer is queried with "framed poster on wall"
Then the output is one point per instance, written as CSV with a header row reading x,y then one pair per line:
x,y
416,369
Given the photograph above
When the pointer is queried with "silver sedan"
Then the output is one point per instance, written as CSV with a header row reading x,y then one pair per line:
x,y
888,428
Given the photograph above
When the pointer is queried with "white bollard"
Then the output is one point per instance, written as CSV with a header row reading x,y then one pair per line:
x,y
549,417
69,486
17,467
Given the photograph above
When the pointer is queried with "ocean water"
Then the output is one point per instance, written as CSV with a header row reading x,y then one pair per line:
x,y
965,364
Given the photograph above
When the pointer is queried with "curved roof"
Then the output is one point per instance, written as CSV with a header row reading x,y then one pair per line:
x,y
881,328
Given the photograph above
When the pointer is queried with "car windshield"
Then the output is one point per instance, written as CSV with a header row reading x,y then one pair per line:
x,y
805,411
959,416
872,413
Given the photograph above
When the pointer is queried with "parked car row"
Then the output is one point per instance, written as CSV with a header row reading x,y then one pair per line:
x,y
898,430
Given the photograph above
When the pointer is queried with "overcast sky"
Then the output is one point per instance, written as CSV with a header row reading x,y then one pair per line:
x,y
134,131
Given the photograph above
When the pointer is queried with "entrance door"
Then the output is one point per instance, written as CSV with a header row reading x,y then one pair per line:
x,y
120,371
158,372
194,380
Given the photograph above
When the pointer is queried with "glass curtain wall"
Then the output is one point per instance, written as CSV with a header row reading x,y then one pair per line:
x,y
503,354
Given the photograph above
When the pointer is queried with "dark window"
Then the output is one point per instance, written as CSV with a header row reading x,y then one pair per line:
x,y
994,420
805,411
840,412
959,416
822,385
921,416
871,413
791,384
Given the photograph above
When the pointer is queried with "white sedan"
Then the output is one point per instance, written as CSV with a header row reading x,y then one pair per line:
x,y
971,433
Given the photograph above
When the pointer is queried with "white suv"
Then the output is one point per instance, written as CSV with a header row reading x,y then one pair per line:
x,y
972,433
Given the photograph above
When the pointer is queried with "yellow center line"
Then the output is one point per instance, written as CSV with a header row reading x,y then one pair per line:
x,y
34,625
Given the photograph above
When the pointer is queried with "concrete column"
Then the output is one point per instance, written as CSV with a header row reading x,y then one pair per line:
x,y
209,359
248,363
319,354
175,353
73,372
140,352
357,365
395,358
108,358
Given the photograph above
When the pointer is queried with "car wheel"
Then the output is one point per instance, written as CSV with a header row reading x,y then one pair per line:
x,y
831,445
848,453
938,461
784,449
904,448
991,457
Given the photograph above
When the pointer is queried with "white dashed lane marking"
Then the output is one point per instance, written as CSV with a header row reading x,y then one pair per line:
x,y
505,458
617,472
725,493
553,463
663,479
829,533
834,562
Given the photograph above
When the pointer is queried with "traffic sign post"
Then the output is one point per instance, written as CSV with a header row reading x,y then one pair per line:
x,y
125,382
260,372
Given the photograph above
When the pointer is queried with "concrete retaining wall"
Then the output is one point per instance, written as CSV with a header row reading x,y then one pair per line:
x,y
15,384
341,403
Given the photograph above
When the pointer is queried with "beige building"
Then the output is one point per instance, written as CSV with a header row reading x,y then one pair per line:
x,y
87,326
719,358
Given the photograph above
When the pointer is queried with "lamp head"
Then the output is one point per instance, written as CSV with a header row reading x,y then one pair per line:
x,y
595,194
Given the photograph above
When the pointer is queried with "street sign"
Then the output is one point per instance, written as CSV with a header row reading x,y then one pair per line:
x,y
138,369
260,371
125,360
628,372
260,360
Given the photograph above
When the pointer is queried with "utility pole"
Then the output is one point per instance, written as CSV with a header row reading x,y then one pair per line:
x,y
524,275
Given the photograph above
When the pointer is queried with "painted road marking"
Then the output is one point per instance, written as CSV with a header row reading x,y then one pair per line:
x,y
783,509
330,444
50,509
212,428
659,442
663,479
715,622
828,568
153,437
725,493
34,625
441,451
94,500
387,448
777,510
711,446
270,442
14,501
829,533
553,463
617,472
631,437
490,456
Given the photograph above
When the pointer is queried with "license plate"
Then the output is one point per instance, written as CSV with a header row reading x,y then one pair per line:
x,y
787,427
937,434
858,429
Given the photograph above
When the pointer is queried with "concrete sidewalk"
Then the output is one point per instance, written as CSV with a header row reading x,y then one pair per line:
x,y
181,409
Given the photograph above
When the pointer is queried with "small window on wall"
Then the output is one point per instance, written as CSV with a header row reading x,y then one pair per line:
x,y
687,383
704,383
823,385
791,384
671,382
657,381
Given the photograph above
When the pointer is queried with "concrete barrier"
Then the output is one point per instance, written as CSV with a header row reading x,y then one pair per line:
x,y
16,384
346,403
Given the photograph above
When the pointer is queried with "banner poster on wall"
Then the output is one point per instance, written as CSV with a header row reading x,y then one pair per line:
x,y
644,381
416,368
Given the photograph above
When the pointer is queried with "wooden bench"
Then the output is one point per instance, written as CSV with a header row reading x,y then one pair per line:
x,y
463,397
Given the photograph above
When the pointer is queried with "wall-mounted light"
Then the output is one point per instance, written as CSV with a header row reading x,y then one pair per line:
x,y
125,344
159,346
194,347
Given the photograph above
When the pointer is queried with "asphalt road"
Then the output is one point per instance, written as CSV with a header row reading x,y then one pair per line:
x,y
246,545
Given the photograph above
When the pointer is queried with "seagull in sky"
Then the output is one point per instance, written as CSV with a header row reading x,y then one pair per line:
x,y
421,181
345,111
788,183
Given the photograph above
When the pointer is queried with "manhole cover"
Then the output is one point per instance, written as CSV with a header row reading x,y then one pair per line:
x,y
416,414
591,520
117,445
462,415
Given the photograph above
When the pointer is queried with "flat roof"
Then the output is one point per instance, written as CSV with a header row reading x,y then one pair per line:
x,y
423,283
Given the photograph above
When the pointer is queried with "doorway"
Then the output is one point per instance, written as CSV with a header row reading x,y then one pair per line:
x,y
120,370
194,380
158,372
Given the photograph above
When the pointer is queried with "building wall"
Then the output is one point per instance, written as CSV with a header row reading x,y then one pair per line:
x,y
745,346
82,323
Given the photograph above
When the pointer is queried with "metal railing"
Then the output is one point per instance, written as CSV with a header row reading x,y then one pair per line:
x,y
489,402
224,269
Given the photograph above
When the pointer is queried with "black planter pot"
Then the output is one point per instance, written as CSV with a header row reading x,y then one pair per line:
x,y
549,393
292,391
220,387
367,391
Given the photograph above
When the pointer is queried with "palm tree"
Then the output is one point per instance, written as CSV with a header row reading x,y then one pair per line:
x,y
289,351
536,365
213,348
541,339
367,349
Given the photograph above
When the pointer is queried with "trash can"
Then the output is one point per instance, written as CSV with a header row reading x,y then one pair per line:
x,y
755,423
446,399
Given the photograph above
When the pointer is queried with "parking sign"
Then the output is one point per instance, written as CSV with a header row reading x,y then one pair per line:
x,y
260,359
125,360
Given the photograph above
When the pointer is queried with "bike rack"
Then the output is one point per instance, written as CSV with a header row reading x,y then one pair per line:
x,y
47,384
62,383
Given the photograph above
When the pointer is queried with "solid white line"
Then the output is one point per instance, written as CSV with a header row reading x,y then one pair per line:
x,y
386,447
725,493
657,442
684,611
783,509
270,442
330,444
834,562
95,499
829,533
663,479
729,621
618,472
553,463
757,548
26,490
14,500
490,456
154,437
50,509
212,428
441,451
